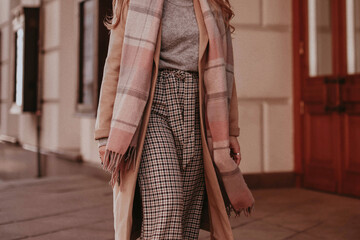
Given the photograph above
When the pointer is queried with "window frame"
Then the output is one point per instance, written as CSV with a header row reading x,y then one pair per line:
x,y
100,47
28,19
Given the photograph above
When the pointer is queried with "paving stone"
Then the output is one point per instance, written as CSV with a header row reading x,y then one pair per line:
x,y
28,228
46,225
338,227
242,220
5,235
46,204
303,236
315,211
97,213
101,226
77,234
80,207
259,230
301,217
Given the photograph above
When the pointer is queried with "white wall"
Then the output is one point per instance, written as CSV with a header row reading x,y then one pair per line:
x,y
89,149
60,125
263,72
8,123
263,69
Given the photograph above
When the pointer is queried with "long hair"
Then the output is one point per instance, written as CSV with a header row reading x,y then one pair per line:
x,y
224,5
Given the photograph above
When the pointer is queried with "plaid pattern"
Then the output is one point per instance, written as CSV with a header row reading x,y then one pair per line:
x,y
171,174
140,35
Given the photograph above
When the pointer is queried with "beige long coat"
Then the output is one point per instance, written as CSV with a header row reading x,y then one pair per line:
x,y
127,204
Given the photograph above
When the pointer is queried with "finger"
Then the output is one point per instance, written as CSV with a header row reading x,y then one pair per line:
x,y
102,153
233,153
238,160
234,144
101,159
234,150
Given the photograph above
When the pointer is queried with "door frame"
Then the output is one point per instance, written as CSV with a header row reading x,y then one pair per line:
x,y
300,56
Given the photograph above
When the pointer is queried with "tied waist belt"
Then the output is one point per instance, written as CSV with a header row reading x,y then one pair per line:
x,y
182,108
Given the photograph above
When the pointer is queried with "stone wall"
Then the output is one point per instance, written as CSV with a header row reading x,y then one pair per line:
x,y
263,68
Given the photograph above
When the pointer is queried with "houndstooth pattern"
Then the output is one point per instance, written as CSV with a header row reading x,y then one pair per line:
x,y
171,175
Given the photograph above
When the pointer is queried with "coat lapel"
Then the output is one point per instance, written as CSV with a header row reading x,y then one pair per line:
x,y
157,48
203,36
219,225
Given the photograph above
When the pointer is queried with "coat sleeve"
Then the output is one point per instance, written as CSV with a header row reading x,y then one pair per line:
x,y
234,129
110,79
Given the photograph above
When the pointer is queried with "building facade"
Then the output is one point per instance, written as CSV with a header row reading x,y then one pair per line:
x,y
263,68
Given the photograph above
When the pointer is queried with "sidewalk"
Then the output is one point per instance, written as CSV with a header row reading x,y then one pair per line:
x,y
74,201
79,207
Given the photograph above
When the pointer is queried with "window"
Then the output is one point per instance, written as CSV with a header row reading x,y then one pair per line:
x,y
26,37
19,66
93,45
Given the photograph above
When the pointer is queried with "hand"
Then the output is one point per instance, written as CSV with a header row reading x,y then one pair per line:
x,y
102,153
235,148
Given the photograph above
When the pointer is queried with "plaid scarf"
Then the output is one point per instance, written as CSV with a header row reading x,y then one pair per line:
x,y
141,30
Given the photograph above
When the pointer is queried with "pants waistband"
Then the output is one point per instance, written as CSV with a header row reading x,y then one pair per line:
x,y
179,73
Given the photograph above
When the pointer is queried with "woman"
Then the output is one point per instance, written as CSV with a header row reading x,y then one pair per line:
x,y
157,134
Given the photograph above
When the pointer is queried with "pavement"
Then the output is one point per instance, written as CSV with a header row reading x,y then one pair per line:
x,y
78,206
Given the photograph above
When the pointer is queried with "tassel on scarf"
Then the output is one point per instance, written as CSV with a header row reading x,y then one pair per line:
x,y
233,183
238,198
230,209
115,162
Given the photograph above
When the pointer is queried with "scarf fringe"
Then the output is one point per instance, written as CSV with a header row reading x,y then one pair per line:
x,y
247,211
113,161
228,206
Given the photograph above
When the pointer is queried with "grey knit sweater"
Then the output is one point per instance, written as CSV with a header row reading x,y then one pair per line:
x,y
179,36
179,39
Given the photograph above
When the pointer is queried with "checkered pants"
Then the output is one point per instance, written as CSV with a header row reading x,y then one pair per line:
x,y
171,175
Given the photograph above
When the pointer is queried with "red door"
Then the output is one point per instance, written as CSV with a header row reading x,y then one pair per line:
x,y
327,89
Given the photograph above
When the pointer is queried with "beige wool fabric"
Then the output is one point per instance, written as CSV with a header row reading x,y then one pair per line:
x,y
215,218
